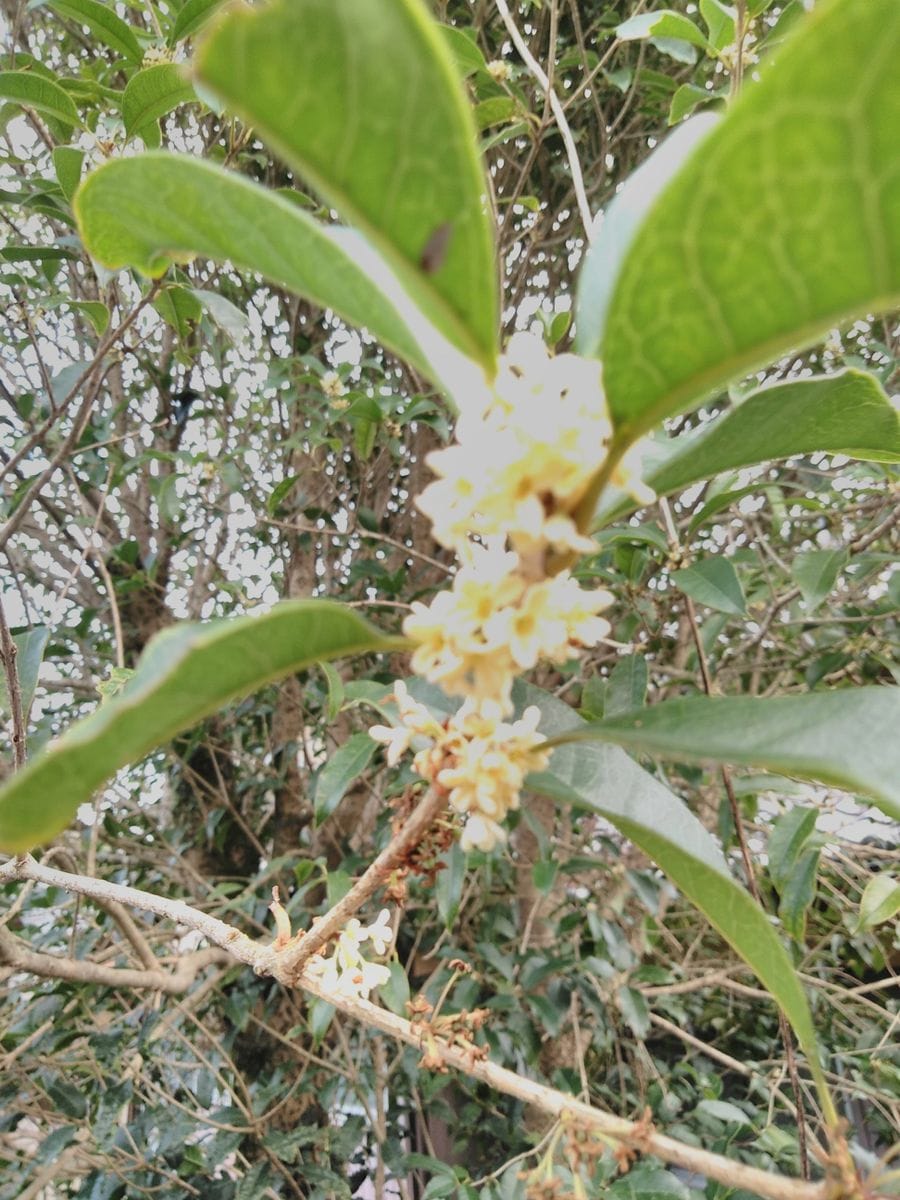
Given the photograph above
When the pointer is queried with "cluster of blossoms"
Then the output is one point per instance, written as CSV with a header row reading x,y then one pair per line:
x,y
505,501
346,973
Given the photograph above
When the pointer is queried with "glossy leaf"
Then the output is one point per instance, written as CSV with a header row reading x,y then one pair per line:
x,y
846,737
845,413
627,685
67,162
815,572
365,101
154,209
186,673
783,223
720,21
103,23
149,95
43,95
605,780
713,582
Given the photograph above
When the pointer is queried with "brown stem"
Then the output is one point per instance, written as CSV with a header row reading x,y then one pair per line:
x,y
8,654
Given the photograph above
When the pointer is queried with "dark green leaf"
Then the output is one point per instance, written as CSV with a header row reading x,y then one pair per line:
x,y
395,993
634,1009
789,836
186,673
365,101
686,99
448,885
799,892
342,770
713,582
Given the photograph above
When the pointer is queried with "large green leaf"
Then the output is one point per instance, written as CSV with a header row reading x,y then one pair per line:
x,y
43,95
103,22
783,222
157,208
364,100
607,781
845,413
185,673
848,737
149,95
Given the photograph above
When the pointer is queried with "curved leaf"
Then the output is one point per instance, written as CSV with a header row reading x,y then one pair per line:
x,y
149,95
783,223
847,737
157,208
185,673
845,413
103,22
364,100
191,17
605,780
43,95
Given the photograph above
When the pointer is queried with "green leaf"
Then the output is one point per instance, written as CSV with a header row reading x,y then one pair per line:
x,y
790,834
43,95
466,55
799,892
662,24
103,23
781,225
634,1009
67,162
95,311
846,737
149,95
880,901
186,673
448,885
686,99
815,573
342,770
395,993
158,208
713,582
30,646
721,21
627,685
225,315
365,101
191,17
647,1182
178,307
605,780
845,413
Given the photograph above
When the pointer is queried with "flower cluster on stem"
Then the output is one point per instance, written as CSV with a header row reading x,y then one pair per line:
x,y
504,501
346,972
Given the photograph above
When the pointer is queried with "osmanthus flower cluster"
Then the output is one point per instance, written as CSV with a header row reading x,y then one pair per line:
x,y
505,501
346,972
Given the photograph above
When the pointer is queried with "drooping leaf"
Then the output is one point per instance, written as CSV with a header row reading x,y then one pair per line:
x,y
815,572
30,646
605,780
846,737
103,23
186,673
343,768
713,582
158,208
43,95
149,95
790,833
845,413
365,101
780,225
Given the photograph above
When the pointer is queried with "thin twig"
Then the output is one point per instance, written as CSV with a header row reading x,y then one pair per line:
x,y
9,653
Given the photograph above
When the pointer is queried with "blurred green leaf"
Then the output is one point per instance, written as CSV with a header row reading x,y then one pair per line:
x,y
30,645
880,901
627,685
43,95
343,768
151,94
815,572
713,582
103,23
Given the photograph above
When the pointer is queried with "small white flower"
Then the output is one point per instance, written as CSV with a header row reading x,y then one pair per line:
x,y
333,385
380,933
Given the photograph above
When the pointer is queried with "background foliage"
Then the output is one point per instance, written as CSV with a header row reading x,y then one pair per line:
x,y
234,446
